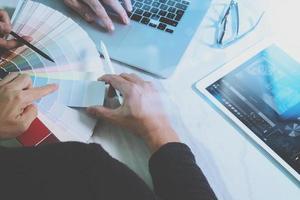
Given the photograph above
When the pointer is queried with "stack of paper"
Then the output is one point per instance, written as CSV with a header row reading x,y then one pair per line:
x,y
77,64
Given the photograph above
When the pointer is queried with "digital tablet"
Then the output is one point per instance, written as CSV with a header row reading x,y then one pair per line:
x,y
260,92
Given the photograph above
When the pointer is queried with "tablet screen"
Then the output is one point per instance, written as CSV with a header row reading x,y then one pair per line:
x,y
264,94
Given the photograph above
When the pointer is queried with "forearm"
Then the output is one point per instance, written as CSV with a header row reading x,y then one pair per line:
x,y
176,175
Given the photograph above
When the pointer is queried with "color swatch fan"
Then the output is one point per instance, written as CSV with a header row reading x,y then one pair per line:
x,y
74,55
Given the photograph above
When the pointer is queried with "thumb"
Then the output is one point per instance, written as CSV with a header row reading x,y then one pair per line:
x,y
101,112
28,116
5,28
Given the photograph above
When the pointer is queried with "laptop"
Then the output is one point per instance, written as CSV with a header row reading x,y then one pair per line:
x,y
157,37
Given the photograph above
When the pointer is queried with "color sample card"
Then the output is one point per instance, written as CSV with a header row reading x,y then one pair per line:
x,y
68,124
56,35
70,75
76,58
3,73
37,134
72,93
51,139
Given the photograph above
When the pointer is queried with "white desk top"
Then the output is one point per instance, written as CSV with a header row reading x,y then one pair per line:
x,y
235,167
233,164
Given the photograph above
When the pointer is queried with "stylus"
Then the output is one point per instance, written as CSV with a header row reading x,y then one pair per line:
x,y
110,68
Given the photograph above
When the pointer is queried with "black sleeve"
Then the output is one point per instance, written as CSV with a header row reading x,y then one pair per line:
x,y
67,171
176,175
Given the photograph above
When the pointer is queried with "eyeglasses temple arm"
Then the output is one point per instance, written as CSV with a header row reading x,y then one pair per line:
x,y
220,41
237,18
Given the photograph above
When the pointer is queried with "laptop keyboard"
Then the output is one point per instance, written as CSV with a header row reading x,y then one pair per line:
x,y
160,14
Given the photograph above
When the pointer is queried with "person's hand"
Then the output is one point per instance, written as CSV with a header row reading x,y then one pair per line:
x,y
5,29
92,10
17,110
142,110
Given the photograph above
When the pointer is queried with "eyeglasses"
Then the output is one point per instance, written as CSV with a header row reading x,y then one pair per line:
x,y
226,36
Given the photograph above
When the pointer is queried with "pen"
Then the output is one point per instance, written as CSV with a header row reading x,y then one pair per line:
x,y
20,39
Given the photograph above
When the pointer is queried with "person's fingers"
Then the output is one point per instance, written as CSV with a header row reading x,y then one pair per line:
x,y
128,5
28,116
22,82
7,79
8,44
116,82
132,78
82,9
102,112
100,12
5,25
118,8
4,17
27,38
5,28
11,44
39,92
111,92
112,101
